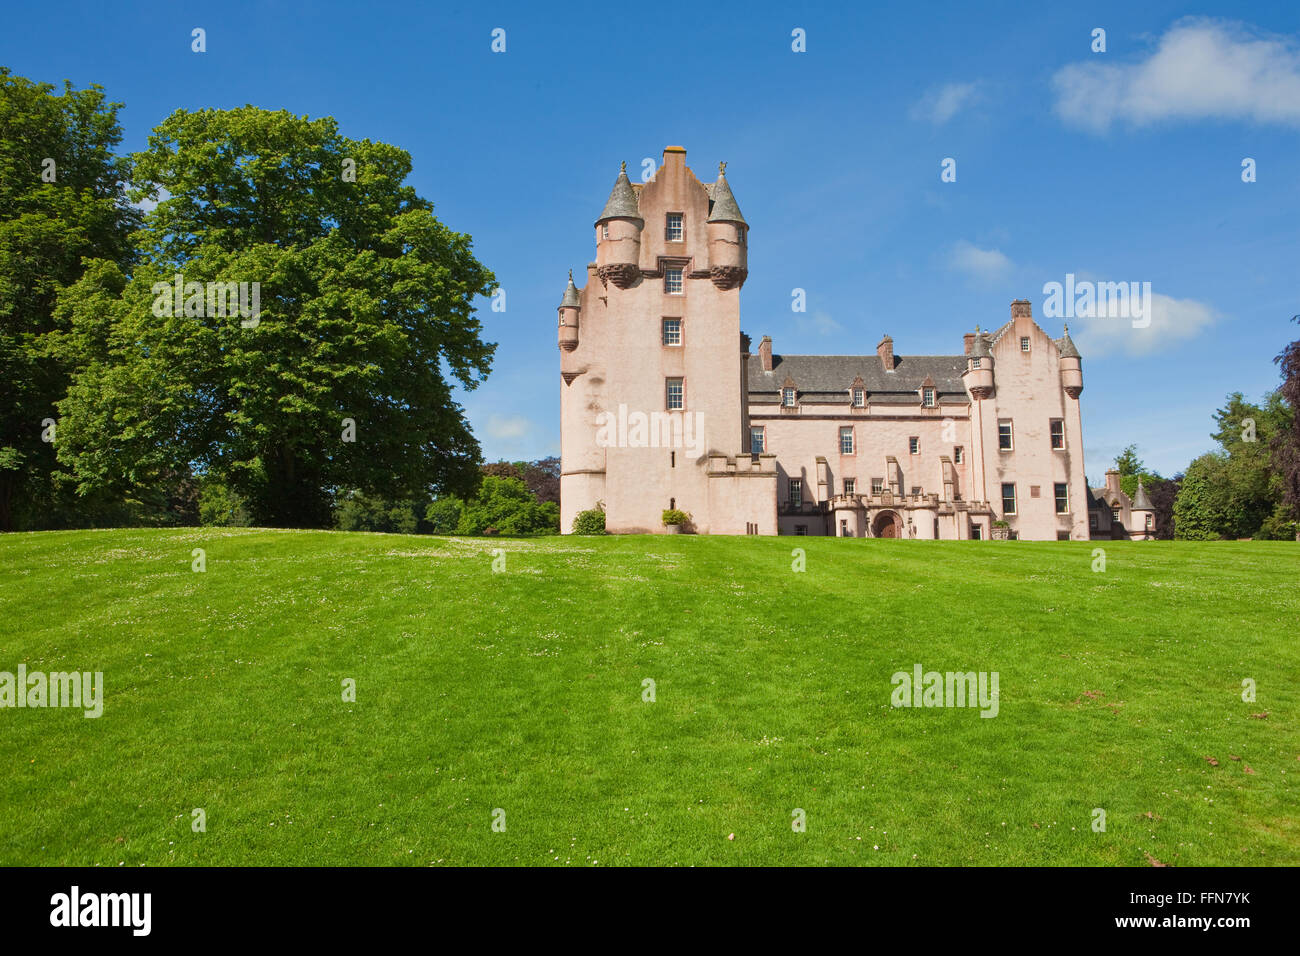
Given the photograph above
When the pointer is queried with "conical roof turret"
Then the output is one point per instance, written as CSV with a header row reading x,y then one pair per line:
x,y
725,208
1142,501
1066,345
622,203
570,300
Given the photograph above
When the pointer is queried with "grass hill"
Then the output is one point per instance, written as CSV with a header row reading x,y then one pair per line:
x,y
523,690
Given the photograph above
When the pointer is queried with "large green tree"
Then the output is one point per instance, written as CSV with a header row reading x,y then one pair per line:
x,y
342,380
62,200
1237,492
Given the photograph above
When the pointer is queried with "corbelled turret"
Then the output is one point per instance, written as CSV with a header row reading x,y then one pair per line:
x,y
618,235
570,310
728,255
1071,365
979,368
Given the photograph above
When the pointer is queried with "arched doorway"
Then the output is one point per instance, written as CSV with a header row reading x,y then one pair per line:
x,y
886,525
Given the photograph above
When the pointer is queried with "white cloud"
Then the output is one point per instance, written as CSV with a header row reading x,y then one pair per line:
x,y
505,428
819,323
1172,321
980,263
1200,69
942,104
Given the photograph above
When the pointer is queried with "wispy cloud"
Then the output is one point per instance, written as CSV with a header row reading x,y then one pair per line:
x,y
941,104
149,205
1200,69
984,264
819,323
508,427
1172,321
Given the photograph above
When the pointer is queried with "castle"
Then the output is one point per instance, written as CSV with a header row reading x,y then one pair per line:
x,y
664,405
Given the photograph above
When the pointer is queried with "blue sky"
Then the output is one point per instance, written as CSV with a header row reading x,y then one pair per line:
x,y
1115,166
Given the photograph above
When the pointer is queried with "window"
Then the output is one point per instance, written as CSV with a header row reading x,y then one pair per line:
x,y
916,491
975,363
1008,499
1058,433
844,528
796,493
673,231
1062,498
958,454
976,532
927,397
1151,521
673,280
672,331
1024,343
1092,520
1114,515
846,440
1004,435
801,529
1062,536
914,445
877,486
859,397
850,486
675,394
787,397
757,440
604,231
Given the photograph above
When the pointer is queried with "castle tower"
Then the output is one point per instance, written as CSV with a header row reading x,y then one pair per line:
x,y
652,397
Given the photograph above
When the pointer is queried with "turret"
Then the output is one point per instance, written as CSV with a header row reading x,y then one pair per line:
x,y
979,368
1144,515
570,310
618,235
1071,366
728,253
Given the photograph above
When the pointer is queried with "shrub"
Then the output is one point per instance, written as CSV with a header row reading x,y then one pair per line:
x,y
443,515
676,516
591,521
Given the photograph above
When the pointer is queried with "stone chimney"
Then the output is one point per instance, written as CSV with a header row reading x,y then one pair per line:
x,y
1112,482
968,339
765,353
886,352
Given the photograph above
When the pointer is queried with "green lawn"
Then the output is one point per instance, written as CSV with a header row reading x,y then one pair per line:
x,y
522,690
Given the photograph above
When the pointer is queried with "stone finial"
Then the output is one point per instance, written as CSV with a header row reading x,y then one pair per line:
x,y
722,169
622,167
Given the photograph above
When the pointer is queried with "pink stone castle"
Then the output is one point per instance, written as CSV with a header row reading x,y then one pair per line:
x,y
664,406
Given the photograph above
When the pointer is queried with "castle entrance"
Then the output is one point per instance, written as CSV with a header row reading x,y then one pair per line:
x,y
886,525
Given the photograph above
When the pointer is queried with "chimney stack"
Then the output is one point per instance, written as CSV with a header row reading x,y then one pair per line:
x,y
765,353
1112,481
969,340
886,352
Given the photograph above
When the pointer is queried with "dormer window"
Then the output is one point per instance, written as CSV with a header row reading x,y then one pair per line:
x,y
674,230
673,280
787,397
859,397
927,396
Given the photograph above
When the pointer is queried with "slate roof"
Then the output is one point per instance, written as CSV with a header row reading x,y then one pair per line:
x,y
570,299
1142,501
724,203
831,376
622,202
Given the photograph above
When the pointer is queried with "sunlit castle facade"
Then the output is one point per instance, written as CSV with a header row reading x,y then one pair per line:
x,y
665,405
